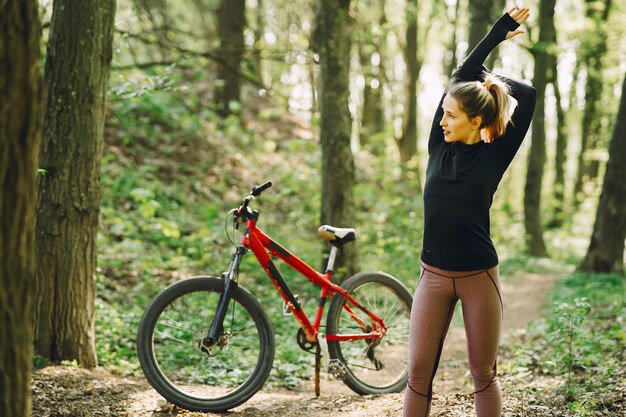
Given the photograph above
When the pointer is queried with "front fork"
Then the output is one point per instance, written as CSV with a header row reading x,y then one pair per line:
x,y
230,286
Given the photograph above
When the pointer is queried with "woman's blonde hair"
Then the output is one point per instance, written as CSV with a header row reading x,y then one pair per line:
x,y
488,99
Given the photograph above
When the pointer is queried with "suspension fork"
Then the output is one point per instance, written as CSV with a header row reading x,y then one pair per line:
x,y
230,286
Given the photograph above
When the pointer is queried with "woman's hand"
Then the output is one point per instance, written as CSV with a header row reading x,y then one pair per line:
x,y
520,16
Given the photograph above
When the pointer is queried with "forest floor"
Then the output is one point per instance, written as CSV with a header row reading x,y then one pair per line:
x,y
71,391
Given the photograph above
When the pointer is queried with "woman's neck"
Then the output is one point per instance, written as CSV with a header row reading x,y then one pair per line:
x,y
473,139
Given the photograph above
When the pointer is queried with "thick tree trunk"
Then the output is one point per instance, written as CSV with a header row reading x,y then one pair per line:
x,y
537,157
331,41
76,77
606,249
20,135
231,20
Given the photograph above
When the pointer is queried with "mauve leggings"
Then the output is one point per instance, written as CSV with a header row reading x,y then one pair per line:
x,y
437,292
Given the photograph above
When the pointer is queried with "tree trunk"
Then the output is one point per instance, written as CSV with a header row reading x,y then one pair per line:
x,y
449,61
537,157
561,151
414,59
480,21
592,131
372,126
331,40
407,144
496,11
20,135
76,76
231,20
256,63
372,115
606,249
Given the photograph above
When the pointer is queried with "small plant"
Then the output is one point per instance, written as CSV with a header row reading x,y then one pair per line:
x,y
566,336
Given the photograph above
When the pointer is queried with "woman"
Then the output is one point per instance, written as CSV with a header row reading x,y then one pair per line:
x,y
472,142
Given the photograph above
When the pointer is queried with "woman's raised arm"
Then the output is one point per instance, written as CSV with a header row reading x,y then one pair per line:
x,y
506,27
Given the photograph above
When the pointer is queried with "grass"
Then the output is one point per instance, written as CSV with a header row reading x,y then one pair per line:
x,y
579,346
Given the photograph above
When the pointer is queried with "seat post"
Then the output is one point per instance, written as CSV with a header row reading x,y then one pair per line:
x,y
331,258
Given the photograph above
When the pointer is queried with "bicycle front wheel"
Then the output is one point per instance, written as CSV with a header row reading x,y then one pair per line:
x,y
372,366
214,380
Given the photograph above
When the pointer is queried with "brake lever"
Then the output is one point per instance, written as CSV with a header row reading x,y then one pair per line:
x,y
244,206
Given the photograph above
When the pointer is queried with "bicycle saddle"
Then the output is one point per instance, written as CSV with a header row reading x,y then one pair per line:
x,y
336,235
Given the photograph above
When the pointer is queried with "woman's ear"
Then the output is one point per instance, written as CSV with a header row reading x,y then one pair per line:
x,y
476,122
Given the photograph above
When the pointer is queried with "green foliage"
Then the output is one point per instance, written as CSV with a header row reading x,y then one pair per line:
x,y
40,361
567,337
583,340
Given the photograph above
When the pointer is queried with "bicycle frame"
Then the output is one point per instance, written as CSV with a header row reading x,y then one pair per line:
x,y
260,243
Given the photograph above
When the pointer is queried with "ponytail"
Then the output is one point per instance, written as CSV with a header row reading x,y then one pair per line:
x,y
500,93
489,100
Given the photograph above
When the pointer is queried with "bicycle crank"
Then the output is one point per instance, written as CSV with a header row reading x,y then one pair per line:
x,y
303,343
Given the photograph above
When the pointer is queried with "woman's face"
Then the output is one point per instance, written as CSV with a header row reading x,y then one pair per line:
x,y
457,126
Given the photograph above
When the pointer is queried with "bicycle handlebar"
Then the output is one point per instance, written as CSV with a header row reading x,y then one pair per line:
x,y
256,191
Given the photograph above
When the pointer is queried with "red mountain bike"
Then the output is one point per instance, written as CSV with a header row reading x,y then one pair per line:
x,y
206,344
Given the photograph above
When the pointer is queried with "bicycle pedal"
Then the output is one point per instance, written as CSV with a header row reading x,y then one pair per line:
x,y
286,310
337,369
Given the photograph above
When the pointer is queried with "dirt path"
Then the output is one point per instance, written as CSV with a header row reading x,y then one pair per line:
x,y
68,391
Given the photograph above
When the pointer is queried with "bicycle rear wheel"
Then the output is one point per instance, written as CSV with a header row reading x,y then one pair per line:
x,y
168,346
372,366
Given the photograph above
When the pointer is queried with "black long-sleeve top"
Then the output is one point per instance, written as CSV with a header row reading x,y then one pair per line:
x,y
461,179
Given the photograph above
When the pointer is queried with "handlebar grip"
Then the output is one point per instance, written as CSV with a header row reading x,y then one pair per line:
x,y
256,191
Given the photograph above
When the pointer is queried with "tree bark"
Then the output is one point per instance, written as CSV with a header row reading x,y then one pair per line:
x,y
76,77
537,157
20,136
331,41
606,248
231,20
594,50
